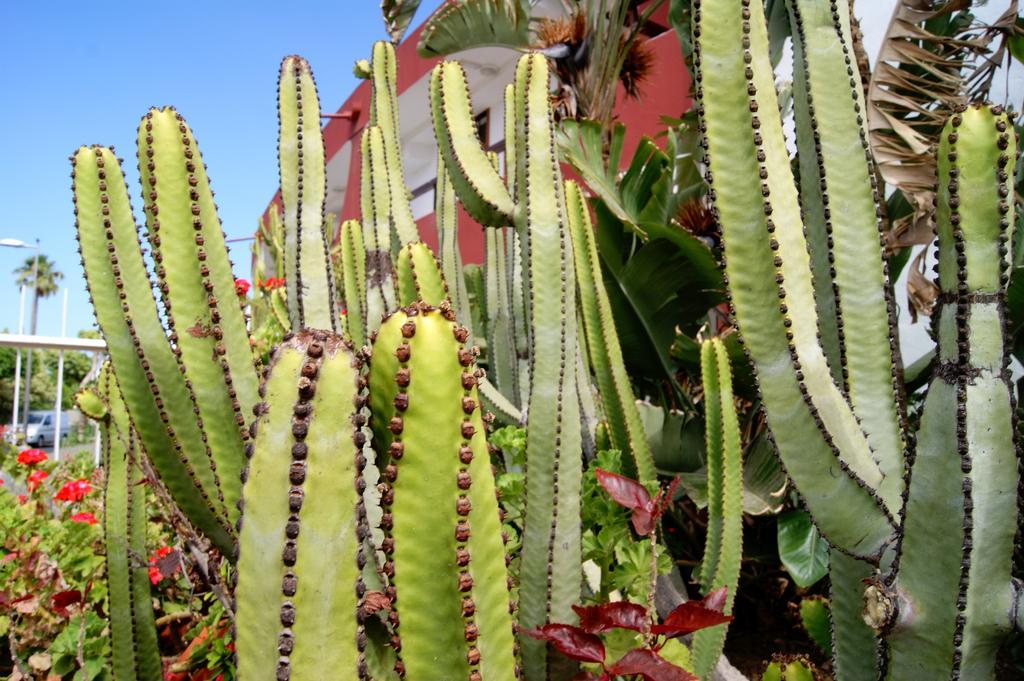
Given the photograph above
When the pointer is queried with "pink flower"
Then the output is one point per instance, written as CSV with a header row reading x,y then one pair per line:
x,y
74,490
242,286
84,517
36,477
30,457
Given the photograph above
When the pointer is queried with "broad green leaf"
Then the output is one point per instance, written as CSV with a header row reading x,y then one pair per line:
x,y
802,550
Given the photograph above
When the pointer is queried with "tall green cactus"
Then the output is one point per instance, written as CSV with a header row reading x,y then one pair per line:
x,y
444,554
949,599
550,571
161,400
724,547
941,541
303,171
301,543
135,655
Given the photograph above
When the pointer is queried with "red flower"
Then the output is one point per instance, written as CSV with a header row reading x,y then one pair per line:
x,y
22,498
36,477
84,517
160,566
30,457
241,286
74,491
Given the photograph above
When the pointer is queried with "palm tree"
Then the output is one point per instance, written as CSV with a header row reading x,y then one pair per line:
x,y
41,273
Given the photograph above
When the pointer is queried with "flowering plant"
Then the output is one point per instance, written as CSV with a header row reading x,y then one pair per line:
x,y
35,478
74,490
242,286
31,457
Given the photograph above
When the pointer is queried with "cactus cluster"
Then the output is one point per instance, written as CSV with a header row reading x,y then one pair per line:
x,y
358,511
927,518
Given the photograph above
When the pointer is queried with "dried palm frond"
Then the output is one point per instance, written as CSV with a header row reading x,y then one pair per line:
x,y
930,61
569,30
697,218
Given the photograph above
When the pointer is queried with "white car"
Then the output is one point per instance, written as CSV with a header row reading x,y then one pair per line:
x,y
39,432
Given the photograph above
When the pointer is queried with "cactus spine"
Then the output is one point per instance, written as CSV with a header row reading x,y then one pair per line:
x,y
451,609
942,542
550,570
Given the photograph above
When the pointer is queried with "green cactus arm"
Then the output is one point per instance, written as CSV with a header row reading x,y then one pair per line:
x,y
502,408
375,204
303,191
511,132
160,402
812,423
854,644
299,582
713,452
809,163
198,289
624,425
501,350
517,305
727,461
384,115
477,183
135,654
353,267
868,338
952,587
447,217
418,274
550,569
451,605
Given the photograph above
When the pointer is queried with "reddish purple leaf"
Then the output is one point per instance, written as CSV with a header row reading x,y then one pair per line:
x,y
694,615
715,600
623,491
169,563
597,618
65,599
643,520
651,666
571,641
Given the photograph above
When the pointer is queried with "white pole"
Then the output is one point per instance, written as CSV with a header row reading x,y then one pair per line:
x,y
60,380
17,366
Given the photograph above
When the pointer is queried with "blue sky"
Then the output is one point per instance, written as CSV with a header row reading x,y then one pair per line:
x,y
85,73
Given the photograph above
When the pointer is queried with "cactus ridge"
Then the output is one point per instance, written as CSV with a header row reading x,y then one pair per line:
x,y
447,217
424,403
502,360
162,405
724,549
384,114
375,201
419,277
313,535
135,654
868,338
477,182
303,192
956,551
624,426
353,267
771,334
194,274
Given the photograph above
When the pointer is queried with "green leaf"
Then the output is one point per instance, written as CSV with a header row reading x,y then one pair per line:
x,y
802,550
1015,43
814,616
466,24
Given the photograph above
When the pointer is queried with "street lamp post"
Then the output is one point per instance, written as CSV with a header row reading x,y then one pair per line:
x,y
15,243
